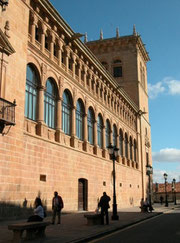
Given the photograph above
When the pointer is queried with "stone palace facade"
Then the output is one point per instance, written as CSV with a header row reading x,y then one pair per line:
x,y
62,102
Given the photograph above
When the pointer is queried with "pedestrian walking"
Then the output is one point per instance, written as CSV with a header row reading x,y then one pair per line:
x,y
104,205
38,211
57,205
161,199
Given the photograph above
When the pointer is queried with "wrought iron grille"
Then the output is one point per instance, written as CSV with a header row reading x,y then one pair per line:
x,y
7,112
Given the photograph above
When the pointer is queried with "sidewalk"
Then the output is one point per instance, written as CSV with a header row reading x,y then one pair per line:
x,y
74,228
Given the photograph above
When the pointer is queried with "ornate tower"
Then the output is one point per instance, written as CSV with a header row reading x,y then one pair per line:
x,y
125,57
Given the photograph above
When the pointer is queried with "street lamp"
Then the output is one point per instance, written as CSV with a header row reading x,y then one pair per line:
x,y
174,189
3,4
165,183
149,172
113,152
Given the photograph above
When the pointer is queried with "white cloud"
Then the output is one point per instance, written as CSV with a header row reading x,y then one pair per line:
x,y
166,155
168,85
155,89
174,87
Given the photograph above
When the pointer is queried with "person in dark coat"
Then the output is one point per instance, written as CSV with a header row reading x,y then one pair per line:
x,y
57,205
104,205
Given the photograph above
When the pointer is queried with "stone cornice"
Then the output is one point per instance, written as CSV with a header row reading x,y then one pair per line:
x,y
123,40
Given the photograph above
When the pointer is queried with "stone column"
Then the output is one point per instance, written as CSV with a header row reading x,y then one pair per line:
x,y
43,37
34,21
67,58
85,76
79,71
58,124
74,66
60,45
95,136
41,105
52,46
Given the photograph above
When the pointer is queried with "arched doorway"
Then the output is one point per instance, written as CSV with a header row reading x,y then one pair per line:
x,y
82,194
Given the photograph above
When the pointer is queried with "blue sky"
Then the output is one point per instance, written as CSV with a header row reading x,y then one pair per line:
x,y
158,23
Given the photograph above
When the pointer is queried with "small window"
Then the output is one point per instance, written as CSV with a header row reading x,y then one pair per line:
x,y
117,72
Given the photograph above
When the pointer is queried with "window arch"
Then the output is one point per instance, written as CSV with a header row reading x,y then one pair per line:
x,y
66,112
121,143
80,119
131,148
126,145
117,68
32,82
50,100
135,148
108,133
90,124
100,130
114,135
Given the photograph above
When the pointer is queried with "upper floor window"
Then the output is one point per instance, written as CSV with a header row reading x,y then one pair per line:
x,y
121,143
114,135
90,123
66,112
79,119
100,130
108,133
31,92
131,148
117,69
135,149
50,98
126,145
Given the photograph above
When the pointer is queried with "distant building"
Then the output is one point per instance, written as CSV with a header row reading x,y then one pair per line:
x,y
72,100
172,192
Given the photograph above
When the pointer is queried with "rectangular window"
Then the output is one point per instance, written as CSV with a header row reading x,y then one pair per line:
x,y
117,72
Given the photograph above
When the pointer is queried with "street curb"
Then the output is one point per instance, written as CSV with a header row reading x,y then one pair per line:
x,y
101,234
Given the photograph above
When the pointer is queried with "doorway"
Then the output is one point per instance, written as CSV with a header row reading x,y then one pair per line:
x,y
82,194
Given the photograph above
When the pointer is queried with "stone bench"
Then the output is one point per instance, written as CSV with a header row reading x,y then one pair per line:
x,y
93,219
33,230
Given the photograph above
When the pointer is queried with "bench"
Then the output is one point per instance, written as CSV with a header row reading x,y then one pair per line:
x,y
93,219
33,230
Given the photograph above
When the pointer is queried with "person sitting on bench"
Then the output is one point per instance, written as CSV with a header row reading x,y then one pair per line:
x,y
38,212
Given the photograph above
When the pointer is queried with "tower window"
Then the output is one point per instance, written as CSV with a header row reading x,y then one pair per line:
x,y
117,72
117,68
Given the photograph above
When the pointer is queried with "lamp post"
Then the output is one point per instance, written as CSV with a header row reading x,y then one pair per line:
x,y
174,187
113,152
149,172
165,183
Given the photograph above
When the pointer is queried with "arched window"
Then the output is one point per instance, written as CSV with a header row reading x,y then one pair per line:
x,y
80,120
135,147
126,145
50,98
117,69
100,130
90,124
108,133
31,92
131,148
66,113
114,135
121,142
